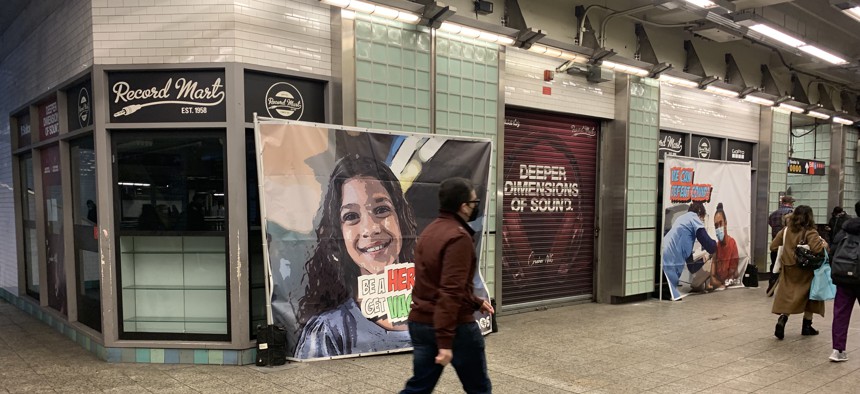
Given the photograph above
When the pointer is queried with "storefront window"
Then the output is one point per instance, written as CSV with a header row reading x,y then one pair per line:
x,y
54,249
85,213
171,213
31,246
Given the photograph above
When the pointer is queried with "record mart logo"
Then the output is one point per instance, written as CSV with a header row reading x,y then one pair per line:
x,y
704,148
284,101
84,107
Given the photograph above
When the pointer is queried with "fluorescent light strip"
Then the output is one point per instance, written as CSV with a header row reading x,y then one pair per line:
x,y
791,108
777,35
847,122
482,35
818,115
853,12
372,9
678,81
702,3
132,184
623,68
722,92
821,54
759,100
558,53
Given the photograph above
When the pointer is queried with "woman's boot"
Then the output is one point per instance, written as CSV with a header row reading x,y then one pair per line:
x,y
779,332
807,328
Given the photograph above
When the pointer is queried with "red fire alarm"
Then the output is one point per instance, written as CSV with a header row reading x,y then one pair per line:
x,y
547,90
548,75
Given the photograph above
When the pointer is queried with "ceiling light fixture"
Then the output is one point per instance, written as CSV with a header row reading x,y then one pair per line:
x,y
824,55
847,122
853,12
759,101
494,38
702,3
722,92
376,10
559,53
818,115
678,81
791,108
623,68
777,35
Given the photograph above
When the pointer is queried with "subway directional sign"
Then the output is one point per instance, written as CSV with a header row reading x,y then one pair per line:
x,y
805,167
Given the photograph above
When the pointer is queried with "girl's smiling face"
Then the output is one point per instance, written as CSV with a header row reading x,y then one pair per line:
x,y
369,223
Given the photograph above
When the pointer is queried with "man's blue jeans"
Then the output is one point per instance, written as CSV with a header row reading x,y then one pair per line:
x,y
469,359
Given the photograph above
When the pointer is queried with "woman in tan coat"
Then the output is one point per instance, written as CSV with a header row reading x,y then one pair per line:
x,y
792,295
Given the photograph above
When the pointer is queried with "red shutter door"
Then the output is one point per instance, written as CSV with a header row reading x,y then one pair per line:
x,y
550,186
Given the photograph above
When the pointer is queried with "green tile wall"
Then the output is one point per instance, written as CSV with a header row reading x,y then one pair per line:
x,y
778,157
808,189
643,132
852,175
392,68
467,91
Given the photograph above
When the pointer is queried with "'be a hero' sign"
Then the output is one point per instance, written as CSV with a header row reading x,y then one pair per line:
x,y
685,190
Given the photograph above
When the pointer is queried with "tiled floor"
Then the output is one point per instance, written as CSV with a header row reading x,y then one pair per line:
x,y
717,343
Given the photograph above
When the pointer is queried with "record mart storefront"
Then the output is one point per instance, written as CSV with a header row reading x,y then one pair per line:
x,y
143,250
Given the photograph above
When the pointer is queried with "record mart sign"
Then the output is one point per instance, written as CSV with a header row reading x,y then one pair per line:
x,y
167,96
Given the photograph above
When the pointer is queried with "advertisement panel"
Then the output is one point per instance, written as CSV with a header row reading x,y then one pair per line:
x,y
167,96
550,173
49,119
342,210
54,248
723,189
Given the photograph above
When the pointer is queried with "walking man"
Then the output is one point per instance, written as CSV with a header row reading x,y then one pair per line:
x,y
776,220
442,324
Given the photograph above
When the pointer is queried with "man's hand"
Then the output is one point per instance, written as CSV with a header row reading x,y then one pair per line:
x,y
444,357
486,307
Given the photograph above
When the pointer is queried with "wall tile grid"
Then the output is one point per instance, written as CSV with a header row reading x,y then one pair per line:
x,y
852,171
524,87
809,189
287,34
56,50
642,184
778,157
698,111
467,91
392,70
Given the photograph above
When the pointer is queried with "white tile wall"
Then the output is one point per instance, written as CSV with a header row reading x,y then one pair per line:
x,y
287,34
852,171
698,111
570,93
53,52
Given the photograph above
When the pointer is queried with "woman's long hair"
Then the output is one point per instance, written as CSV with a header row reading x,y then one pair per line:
x,y
330,272
801,219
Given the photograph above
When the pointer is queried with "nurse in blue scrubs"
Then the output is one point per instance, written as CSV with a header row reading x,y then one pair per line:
x,y
678,244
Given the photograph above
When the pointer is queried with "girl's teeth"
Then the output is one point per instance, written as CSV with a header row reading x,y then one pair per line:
x,y
375,248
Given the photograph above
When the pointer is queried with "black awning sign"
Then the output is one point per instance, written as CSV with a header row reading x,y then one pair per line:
x,y
806,167
167,96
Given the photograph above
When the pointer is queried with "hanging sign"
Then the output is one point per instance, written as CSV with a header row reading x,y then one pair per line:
x,y
805,167
167,96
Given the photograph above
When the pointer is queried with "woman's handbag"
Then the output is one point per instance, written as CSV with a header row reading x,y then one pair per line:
x,y
750,276
822,288
806,258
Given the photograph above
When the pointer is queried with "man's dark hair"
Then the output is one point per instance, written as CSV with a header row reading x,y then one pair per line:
x,y
698,208
453,192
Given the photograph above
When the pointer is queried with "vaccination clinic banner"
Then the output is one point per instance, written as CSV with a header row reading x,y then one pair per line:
x,y
343,208
716,184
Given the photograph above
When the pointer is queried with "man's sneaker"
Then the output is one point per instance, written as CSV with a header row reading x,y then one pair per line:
x,y
838,356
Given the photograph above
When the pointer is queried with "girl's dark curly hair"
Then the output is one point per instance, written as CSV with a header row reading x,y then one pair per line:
x,y
331,274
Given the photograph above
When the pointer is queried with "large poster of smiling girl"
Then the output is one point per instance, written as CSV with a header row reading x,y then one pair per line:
x,y
343,208
706,225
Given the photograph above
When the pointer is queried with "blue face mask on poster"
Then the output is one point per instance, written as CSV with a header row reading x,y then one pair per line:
x,y
721,234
